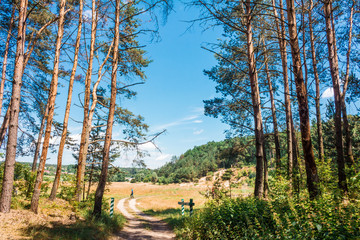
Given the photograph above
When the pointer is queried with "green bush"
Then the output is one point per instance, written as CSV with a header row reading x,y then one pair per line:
x,y
67,190
251,218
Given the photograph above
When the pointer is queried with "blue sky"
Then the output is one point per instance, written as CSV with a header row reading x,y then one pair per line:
x,y
172,97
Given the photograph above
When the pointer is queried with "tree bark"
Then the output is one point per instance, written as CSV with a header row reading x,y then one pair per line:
x,y
349,157
304,42
288,114
273,112
85,129
5,125
334,69
104,170
296,166
6,53
8,179
38,143
290,129
317,84
255,96
51,108
90,179
68,105
311,170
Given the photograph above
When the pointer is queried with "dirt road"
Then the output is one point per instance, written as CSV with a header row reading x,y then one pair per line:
x,y
141,226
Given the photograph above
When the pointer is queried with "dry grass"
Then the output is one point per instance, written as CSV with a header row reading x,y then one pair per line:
x,y
15,225
162,197
158,197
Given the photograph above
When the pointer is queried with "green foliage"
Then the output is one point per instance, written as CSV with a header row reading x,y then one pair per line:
x,y
283,215
154,177
285,218
203,160
227,175
68,188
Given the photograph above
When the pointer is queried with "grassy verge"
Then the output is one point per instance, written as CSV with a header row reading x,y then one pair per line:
x,y
89,228
171,216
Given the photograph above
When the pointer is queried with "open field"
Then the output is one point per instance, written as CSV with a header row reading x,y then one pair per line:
x,y
162,200
158,197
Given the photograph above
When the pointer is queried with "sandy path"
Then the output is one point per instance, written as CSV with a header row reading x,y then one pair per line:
x,y
141,226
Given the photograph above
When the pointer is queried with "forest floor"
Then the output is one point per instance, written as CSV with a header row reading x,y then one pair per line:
x,y
24,224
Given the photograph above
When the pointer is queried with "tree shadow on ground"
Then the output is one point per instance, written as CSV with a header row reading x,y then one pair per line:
x,y
171,215
88,229
55,230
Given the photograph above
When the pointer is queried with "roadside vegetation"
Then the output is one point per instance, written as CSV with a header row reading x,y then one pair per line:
x,y
283,215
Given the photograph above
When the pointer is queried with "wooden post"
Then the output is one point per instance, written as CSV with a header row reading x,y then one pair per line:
x,y
182,207
112,207
191,204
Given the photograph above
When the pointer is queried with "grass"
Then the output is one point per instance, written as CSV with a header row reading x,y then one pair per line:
x,y
53,221
172,216
89,228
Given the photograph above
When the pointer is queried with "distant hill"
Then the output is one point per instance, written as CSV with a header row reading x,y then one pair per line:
x,y
199,161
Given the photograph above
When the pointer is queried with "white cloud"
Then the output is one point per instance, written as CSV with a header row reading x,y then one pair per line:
x,y
328,93
198,132
198,110
163,157
185,120
153,159
148,147
198,121
87,14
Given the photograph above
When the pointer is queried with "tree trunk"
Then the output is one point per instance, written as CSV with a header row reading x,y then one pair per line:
x,y
67,109
51,108
255,96
90,179
38,143
104,170
85,129
311,170
334,69
282,46
8,179
5,125
6,53
273,112
304,42
317,84
295,166
349,157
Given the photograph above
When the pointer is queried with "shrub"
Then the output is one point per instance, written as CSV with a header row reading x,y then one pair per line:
x,y
251,218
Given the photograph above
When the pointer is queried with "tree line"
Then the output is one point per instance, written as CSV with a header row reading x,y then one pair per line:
x,y
48,44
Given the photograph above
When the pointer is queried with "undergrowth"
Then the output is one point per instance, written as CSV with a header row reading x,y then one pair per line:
x,y
284,215
250,218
